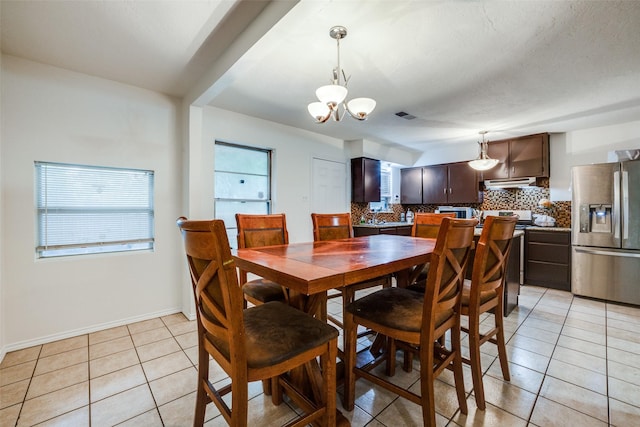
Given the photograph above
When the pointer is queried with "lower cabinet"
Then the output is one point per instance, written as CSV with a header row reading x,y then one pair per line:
x,y
367,230
548,259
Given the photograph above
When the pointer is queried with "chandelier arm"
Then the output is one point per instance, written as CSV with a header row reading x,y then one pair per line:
x,y
354,116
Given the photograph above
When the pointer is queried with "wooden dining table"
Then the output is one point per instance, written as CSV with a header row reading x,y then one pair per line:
x,y
308,270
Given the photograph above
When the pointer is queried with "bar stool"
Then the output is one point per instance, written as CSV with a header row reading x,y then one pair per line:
x,y
259,343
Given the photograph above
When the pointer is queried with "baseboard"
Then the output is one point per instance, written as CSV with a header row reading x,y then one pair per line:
x,y
81,331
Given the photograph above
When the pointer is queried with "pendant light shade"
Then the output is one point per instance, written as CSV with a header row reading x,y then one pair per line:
x,y
483,162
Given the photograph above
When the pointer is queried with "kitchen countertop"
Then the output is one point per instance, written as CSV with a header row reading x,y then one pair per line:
x,y
385,224
562,229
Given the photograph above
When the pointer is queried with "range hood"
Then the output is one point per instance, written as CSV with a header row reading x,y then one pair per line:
x,y
510,183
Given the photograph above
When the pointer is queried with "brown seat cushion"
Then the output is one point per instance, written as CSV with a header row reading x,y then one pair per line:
x,y
276,332
466,294
396,308
263,290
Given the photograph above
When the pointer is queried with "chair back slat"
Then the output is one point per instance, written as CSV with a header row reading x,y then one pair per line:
x,y
260,230
492,253
215,286
426,224
446,274
331,226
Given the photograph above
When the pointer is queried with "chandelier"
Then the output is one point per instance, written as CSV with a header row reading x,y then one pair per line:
x,y
333,95
483,162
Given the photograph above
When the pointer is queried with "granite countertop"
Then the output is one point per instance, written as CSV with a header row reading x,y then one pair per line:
x,y
562,229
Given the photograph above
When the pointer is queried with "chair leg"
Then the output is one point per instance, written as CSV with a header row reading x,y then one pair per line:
x,y
474,359
350,339
391,357
239,403
201,404
275,388
202,399
427,377
502,349
457,368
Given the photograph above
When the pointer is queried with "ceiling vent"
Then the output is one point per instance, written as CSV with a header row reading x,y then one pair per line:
x,y
405,116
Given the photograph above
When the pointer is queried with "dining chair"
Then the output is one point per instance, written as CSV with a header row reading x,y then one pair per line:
x,y
256,231
485,292
257,343
425,224
419,320
334,226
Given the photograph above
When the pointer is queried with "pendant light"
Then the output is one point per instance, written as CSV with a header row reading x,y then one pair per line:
x,y
333,95
483,162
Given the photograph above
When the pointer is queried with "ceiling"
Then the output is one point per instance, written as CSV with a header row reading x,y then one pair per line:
x,y
510,67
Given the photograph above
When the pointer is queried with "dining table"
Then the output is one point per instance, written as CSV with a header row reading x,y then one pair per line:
x,y
307,270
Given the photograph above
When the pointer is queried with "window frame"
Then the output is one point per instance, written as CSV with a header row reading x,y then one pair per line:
x,y
45,250
231,226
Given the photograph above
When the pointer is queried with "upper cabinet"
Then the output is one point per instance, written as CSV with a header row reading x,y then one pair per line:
x,y
365,180
519,157
439,184
411,186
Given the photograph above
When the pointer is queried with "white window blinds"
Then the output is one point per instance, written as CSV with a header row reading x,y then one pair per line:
x,y
87,209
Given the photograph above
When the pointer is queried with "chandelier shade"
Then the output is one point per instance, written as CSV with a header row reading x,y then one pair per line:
x,y
483,162
331,96
360,108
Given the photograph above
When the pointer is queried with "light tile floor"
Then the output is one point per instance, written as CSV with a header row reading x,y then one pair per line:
x,y
573,361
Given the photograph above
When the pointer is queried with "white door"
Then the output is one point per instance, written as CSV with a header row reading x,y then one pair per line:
x,y
329,187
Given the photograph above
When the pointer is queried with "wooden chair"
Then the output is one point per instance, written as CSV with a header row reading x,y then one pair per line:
x,y
484,292
338,226
418,319
425,224
255,231
257,343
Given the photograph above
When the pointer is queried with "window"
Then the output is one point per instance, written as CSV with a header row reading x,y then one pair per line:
x,y
242,184
88,209
385,192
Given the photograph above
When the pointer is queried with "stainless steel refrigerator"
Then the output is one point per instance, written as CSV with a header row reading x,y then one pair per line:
x,y
606,231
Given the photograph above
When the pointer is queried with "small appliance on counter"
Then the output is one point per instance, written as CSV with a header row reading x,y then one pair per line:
x,y
525,217
461,212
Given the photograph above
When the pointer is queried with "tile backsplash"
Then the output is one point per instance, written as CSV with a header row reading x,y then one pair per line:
x,y
516,198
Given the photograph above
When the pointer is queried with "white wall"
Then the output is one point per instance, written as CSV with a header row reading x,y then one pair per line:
x,y
586,146
50,114
294,150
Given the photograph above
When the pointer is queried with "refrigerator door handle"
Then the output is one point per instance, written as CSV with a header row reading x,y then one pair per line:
x,y
625,205
608,253
616,205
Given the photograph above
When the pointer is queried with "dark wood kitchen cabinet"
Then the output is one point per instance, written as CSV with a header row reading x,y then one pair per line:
x,y
411,186
450,183
365,180
519,157
440,184
548,259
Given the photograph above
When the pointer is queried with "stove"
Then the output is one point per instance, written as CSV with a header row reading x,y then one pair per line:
x,y
525,219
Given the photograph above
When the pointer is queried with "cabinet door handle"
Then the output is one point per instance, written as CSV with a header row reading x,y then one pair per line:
x,y
449,190
444,191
